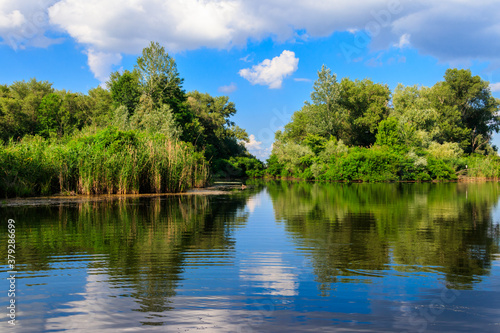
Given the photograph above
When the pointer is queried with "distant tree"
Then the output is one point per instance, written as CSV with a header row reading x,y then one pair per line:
x,y
49,115
125,89
218,134
467,109
327,117
160,83
100,102
366,104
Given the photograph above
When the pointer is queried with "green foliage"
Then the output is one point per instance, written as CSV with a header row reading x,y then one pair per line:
x,y
49,114
439,170
367,105
388,133
326,115
104,161
274,167
19,105
148,102
218,136
467,109
422,137
154,120
482,166
100,103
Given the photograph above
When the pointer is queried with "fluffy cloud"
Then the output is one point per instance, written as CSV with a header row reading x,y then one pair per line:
x,y
495,87
454,30
271,72
24,23
256,148
253,143
300,79
228,89
101,63
450,30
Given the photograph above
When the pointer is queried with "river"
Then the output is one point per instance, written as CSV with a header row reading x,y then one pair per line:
x,y
277,257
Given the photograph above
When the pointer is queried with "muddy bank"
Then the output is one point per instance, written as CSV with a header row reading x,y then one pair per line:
x,y
215,189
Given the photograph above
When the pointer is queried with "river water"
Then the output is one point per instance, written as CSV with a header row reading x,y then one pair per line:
x,y
278,257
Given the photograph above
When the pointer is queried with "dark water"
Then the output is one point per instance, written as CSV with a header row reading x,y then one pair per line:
x,y
283,257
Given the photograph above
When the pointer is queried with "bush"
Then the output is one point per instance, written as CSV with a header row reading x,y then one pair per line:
x,y
103,161
439,170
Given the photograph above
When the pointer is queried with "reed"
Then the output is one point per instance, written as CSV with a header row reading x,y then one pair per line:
x,y
106,161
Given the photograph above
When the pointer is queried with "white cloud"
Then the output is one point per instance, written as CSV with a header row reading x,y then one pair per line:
x,y
272,72
299,79
257,148
495,87
13,19
268,271
101,63
404,41
228,89
253,143
248,57
450,30
24,23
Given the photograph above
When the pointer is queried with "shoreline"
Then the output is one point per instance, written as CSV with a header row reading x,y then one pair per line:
x,y
78,198
220,188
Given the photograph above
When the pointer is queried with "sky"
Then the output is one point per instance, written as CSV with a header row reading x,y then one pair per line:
x,y
263,54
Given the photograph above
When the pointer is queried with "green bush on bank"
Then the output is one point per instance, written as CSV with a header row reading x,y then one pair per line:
x,y
375,164
103,161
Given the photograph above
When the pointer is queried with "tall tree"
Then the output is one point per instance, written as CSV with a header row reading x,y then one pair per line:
x,y
29,95
466,103
326,113
125,89
366,104
158,75
219,136
161,85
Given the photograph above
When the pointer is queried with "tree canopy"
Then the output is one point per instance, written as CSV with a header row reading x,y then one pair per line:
x,y
353,129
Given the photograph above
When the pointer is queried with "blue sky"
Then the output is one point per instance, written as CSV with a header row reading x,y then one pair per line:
x,y
263,54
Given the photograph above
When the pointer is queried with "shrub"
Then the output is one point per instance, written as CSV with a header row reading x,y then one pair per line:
x,y
102,161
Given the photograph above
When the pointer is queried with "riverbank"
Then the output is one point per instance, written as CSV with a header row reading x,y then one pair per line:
x,y
58,199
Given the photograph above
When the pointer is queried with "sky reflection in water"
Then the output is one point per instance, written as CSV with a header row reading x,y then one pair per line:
x,y
283,257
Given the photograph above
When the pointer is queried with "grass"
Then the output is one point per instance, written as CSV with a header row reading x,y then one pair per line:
x,y
105,161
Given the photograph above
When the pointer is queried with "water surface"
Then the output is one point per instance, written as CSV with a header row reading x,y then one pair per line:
x,y
293,257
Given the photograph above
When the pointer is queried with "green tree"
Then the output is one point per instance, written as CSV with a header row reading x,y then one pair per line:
x,y
13,122
155,120
49,116
467,109
367,105
327,117
218,135
100,103
27,97
125,89
160,83
413,104
388,132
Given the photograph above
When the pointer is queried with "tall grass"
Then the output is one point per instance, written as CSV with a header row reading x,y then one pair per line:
x,y
105,161
483,167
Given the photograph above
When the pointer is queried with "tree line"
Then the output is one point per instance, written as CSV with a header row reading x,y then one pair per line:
x,y
136,109
360,130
